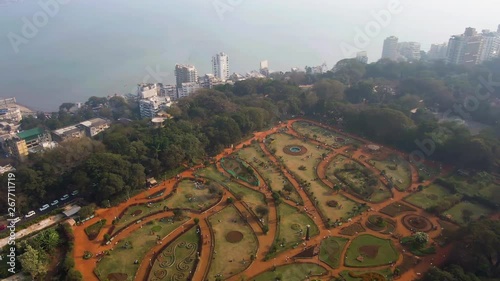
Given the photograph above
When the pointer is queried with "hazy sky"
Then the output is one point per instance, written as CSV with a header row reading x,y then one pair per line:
x,y
104,47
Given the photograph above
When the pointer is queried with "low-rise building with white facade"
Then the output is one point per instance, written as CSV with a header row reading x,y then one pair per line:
x,y
150,107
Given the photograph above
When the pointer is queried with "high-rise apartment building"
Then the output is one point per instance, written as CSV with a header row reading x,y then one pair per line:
x,y
409,51
264,68
185,74
437,52
220,66
490,47
390,50
465,48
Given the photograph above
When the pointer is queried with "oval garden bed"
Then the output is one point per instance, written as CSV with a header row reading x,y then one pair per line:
x,y
234,236
417,223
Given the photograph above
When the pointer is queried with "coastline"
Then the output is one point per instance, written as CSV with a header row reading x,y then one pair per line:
x,y
24,109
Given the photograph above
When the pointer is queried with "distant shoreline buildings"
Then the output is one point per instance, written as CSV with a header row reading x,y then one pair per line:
x,y
468,48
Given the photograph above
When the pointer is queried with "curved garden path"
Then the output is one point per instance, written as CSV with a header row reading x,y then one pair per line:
x,y
259,265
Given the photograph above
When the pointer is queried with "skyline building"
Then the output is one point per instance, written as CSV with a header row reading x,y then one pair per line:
x,y
264,68
490,47
220,66
390,49
409,51
185,74
437,51
465,48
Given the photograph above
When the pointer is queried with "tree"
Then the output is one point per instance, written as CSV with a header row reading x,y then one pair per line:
x,y
479,248
467,215
196,220
420,239
450,273
87,211
265,229
178,213
33,262
74,275
262,210
47,240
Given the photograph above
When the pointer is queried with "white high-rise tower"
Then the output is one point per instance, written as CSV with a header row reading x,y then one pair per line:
x,y
220,66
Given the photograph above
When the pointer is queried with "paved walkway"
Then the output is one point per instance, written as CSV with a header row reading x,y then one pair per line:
x,y
34,228
265,241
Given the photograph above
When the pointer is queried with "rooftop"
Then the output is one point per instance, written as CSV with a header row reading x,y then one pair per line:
x,y
94,122
30,134
72,211
66,130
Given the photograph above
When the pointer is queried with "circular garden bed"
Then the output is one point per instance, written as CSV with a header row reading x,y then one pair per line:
x,y
295,150
416,222
380,224
234,236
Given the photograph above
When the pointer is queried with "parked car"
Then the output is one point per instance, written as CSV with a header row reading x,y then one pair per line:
x,y
74,192
65,196
30,214
55,202
3,227
44,207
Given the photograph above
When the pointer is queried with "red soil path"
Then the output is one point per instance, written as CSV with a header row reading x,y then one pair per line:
x,y
265,241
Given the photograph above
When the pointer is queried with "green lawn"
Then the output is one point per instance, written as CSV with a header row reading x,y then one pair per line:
x,y
212,173
271,174
475,211
397,169
292,227
481,185
432,196
135,213
427,171
189,196
331,249
294,162
358,184
321,192
178,258
121,260
336,162
385,252
291,272
251,197
323,135
230,258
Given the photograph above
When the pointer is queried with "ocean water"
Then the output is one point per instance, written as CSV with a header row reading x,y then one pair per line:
x,y
82,48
